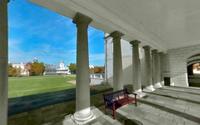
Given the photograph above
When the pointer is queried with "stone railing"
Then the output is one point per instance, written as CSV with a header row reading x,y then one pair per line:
x,y
96,79
97,76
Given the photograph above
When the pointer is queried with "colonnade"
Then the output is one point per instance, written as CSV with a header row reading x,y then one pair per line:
x,y
83,112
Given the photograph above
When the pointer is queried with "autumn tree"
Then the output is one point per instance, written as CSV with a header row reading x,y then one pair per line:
x,y
97,69
35,68
13,72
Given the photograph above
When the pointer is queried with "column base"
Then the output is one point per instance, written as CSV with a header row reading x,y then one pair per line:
x,y
82,117
162,83
157,85
139,93
149,88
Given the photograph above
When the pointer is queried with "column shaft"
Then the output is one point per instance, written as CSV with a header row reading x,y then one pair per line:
x,y
159,80
83,113
156,69
154,66
161,56
3,62
82,76
148,69
159,69
136,66
117,61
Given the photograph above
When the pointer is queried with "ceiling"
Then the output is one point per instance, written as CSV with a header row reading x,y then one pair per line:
x,y
162,24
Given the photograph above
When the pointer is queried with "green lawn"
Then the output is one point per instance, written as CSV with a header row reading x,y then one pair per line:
x,y
22,86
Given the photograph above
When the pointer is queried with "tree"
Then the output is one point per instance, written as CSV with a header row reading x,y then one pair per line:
x,y
13,72
72,68
97,69
35,68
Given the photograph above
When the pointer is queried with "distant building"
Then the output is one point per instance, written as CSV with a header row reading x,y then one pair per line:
x,y
91,66
60,69
22,66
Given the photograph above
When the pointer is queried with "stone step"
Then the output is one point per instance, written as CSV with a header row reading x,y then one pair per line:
x,y
191,90
150,115
194,98
185,109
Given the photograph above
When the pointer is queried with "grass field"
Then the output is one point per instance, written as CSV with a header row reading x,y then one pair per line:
x,y
22,86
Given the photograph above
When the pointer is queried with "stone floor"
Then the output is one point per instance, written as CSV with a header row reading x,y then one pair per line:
x,y
166,106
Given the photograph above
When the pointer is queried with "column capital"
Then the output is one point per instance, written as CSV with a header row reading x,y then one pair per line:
x,y
154,51
135,42
116,34
147,47
81,19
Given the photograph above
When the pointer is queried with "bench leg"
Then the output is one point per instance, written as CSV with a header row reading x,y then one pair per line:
x,y
135,100
113,114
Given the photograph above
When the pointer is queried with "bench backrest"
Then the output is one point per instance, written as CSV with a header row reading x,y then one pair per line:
x,y
113,96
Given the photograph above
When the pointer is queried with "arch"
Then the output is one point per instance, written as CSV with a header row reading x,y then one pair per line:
x,y
193,79
192,53
193,59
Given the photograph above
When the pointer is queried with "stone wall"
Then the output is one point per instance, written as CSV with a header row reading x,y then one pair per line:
x,y
178,64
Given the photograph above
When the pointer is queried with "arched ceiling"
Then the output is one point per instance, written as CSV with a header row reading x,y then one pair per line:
x,y
162,24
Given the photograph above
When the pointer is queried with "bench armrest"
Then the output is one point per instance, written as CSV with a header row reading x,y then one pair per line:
x,y
132,93
135,94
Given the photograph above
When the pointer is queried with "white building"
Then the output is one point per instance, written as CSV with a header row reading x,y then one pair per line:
x,y
22,67
62,69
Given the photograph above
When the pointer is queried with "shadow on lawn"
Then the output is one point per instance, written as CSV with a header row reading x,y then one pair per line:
x,y
28,103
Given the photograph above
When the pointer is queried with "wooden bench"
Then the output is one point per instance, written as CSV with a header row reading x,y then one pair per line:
x,y
117,99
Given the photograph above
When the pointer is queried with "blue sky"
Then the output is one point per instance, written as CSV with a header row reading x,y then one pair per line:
x,y
37,32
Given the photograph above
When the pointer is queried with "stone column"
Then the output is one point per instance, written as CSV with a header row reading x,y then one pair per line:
x,y
117,61
154,66
136,69
148,70
3,62
158,75
156,69
83,113
106,57
162,64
